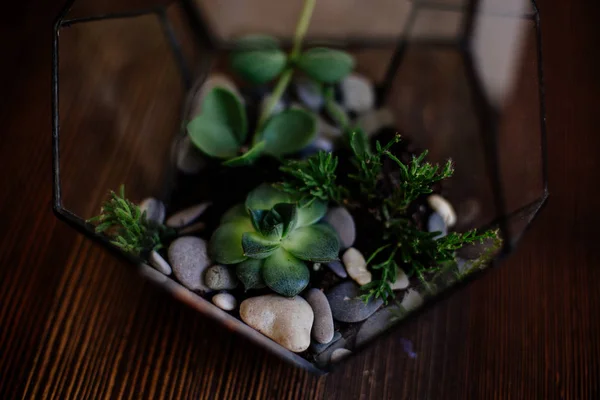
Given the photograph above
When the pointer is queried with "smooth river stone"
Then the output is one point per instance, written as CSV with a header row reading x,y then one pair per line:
x,y
287,321
342,222
347,306
322,330
356,266
188,258
186,216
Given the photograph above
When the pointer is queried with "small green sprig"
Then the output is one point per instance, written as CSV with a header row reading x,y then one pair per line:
x,y
313,178
380,288
128,227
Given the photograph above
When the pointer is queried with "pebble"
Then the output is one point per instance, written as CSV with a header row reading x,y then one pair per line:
x,y
347,306
341,220
186,216
378,323
154,208
322,329
358,93
412,300
323,144
374,120
158,262
436,224
188,158
188,258
287,321
441,206
356,266
219,277
324,357
213,81
318,348
337,268
309,92
225,301
402,281
193,228
339,354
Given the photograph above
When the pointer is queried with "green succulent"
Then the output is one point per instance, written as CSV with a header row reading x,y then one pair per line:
x,y
271,237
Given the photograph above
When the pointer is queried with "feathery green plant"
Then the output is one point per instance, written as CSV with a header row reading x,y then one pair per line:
x,y
128,227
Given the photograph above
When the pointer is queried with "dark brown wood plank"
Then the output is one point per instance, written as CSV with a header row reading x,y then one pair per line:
x,y
76,323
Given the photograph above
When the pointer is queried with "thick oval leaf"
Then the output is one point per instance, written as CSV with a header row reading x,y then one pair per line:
x,y
257,246
265,196
212,137
258,66
312,213
225,246
285,274
257,42
289,131
237,211
223,106
247,158
249,273
317,243
326,65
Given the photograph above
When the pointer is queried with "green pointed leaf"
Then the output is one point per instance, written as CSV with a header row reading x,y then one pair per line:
x,y
237,211
289,131
224,106
258,66
265,196
256,245
285,274
289,216
308,215
256,216
248,157
249,272
326,65
212,137
225,246
317,243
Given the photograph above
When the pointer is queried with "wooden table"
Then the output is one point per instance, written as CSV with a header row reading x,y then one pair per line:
x,y
76,323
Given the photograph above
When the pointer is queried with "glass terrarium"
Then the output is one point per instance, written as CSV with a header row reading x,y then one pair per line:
x,y
134,86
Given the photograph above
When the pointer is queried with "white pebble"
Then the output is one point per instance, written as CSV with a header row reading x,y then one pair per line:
x,y
402,281
444,208
356,266
412,300
358,93
158,262
186,216
154,208
225,301
339,354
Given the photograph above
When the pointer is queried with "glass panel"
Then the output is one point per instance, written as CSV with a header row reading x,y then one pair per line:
x,y
94,8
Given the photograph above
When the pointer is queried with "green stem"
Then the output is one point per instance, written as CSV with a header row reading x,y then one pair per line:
x,y
302,27
282,84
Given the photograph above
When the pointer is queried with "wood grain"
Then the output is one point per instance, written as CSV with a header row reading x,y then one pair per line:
x,y
77,323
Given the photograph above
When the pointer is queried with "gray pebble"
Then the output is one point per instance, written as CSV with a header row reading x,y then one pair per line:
x,y
338,268
378,323
154,208
225,301
341,220
193,228
219,277
318,348
309,92
347,306
188,258
324,357
358,93
436,224
158,262
322,329
186,216
339,354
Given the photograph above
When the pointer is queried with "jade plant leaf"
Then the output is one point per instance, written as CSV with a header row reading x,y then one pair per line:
x,y
212,137
225,245
326,65
285,274
249,273
289,131
256,245
258,58
248,157
313,243
265,196
309,214
223,106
